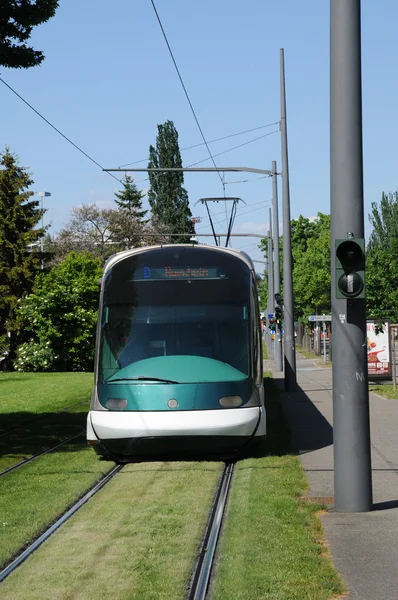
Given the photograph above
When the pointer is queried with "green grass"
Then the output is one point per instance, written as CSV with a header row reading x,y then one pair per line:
x,y
138,538
40,409
34,495
272,544
265,351
386,390
43,392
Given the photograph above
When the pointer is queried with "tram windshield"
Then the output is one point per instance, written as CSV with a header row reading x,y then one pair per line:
x,y
176,315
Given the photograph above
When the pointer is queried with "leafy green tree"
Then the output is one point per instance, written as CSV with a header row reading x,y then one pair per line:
x,y
382,259
382,281
311,270
384,220
167,196
61,316
18,266
310,239
17,19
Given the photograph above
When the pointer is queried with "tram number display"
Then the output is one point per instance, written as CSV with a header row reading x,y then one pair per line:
x,y
181,273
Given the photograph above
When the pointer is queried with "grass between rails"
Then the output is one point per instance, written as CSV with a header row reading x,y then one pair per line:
x,y
138,538
35,495
272,543
39,409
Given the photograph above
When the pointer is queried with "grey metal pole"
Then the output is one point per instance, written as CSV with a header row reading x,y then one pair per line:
x,y
277,272
288,321
351,429
270,286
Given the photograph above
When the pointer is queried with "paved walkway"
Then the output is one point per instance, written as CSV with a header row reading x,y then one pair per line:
x,y
364,546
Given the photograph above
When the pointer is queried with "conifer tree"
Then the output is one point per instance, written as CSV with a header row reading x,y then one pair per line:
x,y
18,17
18,266
167,196
130,200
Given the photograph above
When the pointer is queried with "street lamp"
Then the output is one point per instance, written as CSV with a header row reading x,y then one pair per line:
x,y
42,195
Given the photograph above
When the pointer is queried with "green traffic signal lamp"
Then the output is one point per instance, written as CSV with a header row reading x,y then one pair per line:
x,y
350,268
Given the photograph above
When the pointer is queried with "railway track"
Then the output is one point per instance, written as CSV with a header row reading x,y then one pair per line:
x,y
45,451
44,536
201,577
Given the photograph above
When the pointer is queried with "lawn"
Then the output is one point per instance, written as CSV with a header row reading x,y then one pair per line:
x,y
38,410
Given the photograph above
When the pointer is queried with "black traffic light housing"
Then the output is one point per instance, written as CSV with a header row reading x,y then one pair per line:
x,y
271,324
278,314
350,268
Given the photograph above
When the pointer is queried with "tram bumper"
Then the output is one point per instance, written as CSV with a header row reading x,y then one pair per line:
x,y
200,433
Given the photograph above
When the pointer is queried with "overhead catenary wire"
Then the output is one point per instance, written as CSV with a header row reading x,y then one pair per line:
x,y
225,137
234,148
184,88
58,131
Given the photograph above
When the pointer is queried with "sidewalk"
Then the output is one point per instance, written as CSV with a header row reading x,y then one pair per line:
x,y
364,546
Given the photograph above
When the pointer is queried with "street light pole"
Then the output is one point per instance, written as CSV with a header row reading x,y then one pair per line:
x,y
42,195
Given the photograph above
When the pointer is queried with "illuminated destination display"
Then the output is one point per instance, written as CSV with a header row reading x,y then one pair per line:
x,y
187,273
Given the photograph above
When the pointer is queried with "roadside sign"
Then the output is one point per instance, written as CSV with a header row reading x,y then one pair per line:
x,y
271,316
379,350
320,318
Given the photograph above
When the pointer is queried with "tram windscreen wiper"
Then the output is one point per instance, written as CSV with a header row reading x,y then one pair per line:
x,y
142,378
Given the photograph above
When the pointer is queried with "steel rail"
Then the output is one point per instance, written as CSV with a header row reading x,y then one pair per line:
x,y
201,577
26,553
45,451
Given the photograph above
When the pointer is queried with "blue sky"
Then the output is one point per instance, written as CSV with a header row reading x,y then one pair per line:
x,y
108,80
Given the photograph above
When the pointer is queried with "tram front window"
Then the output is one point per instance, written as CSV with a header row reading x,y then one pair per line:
x,y
183,327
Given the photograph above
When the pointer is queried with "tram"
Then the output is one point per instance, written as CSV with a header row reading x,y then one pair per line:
x,y
178,367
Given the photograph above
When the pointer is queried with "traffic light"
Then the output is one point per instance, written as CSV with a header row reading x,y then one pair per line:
x,y
350,268
271,324
278,314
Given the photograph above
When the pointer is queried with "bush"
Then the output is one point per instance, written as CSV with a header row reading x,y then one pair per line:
x,y
61,315
34,356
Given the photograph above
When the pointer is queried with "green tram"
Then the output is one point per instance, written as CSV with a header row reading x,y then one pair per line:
x,y
178,368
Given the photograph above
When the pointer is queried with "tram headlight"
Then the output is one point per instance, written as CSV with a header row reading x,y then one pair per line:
x,y
230,401
116,403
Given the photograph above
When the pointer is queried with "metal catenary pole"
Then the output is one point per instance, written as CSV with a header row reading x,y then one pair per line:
x,y
277,273
351,429
270,288
288,322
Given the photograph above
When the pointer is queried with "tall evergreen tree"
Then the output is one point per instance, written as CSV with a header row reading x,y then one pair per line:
x,y
129,200
167,196
17,19
18,217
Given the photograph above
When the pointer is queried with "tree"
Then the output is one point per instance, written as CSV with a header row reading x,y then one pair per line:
x,y
382,259
130,200
384,220
167,196
311,269
18,218
127,224
17,19
310,240
88,231
61,316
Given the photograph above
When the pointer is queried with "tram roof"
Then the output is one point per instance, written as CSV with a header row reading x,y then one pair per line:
x,y
115,258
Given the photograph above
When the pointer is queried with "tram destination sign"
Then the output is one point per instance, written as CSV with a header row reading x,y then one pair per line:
x,y
321,318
